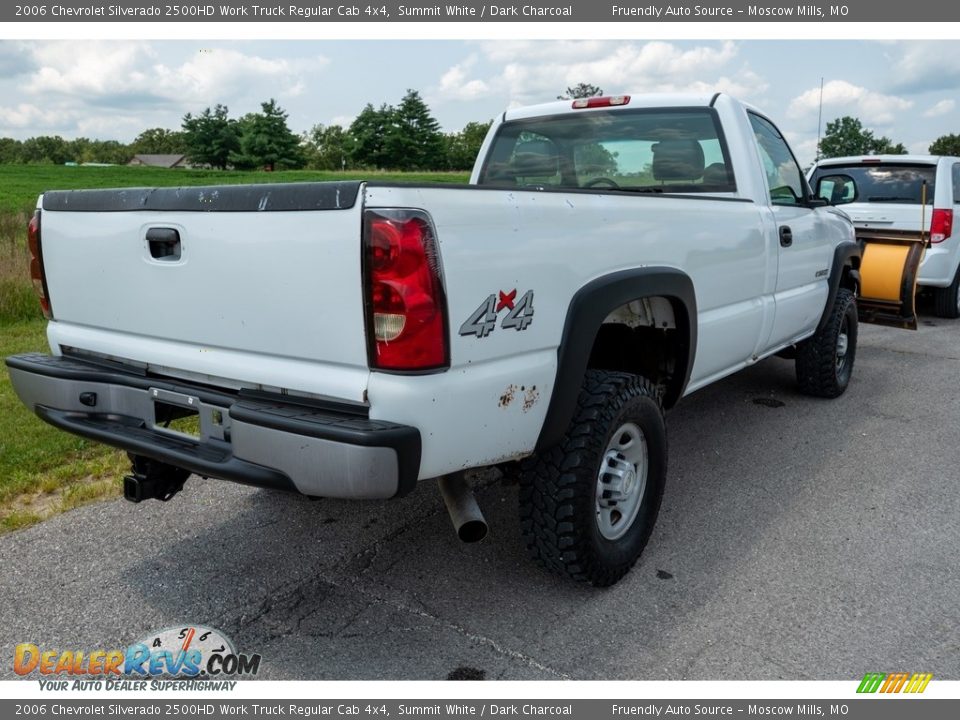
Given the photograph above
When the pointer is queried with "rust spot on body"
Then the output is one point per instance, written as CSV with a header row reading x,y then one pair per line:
x,y
530,397
508,396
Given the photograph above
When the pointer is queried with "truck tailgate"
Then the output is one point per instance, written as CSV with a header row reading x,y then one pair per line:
x,y
269,270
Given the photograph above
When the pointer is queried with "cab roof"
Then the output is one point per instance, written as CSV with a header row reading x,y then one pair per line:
x,y
640,100
880,159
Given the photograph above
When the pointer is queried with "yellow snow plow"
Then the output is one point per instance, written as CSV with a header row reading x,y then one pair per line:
x,y
888,277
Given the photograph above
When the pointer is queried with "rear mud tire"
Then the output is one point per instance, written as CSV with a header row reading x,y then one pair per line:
x,y
612,458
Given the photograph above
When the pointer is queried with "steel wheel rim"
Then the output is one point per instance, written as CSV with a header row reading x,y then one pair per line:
x,y
843,345
621,481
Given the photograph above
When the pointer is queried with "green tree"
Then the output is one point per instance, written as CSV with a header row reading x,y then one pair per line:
x,y
266,140
159,141
240,160
847,136
46,149
109,151
464,146
945,145
325,147
414,140
367,137
581,90
81,150
10,151
886,146
211,137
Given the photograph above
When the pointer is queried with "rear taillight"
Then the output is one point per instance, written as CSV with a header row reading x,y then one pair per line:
x,y
37,275
406,308
941,226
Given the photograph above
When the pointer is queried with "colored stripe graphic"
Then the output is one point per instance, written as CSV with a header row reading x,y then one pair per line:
x,y
918,683
871,682
898,681
894,683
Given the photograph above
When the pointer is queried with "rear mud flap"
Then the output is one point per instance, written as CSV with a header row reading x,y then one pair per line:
x,y
888,278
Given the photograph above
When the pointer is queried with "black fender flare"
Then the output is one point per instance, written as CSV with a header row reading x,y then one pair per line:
x,y
589,307
846,263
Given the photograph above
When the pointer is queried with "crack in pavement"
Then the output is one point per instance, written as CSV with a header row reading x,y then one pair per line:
x,y
289,599
918,353
298,595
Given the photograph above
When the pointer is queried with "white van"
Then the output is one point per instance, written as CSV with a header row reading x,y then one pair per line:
x,y
903,194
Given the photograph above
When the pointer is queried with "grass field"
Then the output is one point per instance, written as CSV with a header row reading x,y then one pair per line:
x,y
44,471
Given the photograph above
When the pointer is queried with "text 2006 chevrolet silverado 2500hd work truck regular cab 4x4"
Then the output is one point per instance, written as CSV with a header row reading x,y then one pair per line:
x,y
348,339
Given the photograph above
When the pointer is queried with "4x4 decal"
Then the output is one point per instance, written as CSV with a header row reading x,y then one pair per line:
x,y
483,321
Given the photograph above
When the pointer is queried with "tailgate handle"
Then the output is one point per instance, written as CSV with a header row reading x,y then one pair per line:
x,y
164,243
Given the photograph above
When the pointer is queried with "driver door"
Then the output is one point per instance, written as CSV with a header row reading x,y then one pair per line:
x,y
804,254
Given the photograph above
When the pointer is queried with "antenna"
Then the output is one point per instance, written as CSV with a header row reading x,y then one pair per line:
x,y
819,120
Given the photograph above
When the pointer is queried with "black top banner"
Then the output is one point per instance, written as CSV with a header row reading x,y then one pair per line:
x,y
299,11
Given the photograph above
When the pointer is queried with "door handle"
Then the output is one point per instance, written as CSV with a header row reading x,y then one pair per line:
x,y
786,236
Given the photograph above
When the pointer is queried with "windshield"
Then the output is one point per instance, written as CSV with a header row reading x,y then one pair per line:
x,y
638,151
880,183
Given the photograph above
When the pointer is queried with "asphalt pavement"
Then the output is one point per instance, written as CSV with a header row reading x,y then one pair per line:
x,y
798,539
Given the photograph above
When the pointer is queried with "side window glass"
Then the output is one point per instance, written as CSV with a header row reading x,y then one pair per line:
x,y
956,183
783,173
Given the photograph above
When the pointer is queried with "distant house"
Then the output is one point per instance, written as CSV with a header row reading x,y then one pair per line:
x,y
166,161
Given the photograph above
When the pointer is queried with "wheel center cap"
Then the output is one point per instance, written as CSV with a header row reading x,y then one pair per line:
x,y
629,480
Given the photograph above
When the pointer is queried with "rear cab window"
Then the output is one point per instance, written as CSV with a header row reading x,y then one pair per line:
x,y
643,151
886,182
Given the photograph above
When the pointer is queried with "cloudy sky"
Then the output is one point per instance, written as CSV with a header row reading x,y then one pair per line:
x,y
112,89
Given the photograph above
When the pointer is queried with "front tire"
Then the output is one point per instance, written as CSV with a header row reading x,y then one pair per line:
x,y
825,361
588,505
946,301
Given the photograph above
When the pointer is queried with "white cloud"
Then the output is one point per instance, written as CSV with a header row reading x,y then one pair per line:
x,y
920,67
536,71
15,58
28,116
343,121
842,97
114,89
135,75
455,85
943,107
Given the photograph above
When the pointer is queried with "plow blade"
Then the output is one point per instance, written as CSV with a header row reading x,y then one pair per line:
x,y
888,278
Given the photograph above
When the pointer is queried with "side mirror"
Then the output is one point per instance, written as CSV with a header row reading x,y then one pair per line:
x,y
836,189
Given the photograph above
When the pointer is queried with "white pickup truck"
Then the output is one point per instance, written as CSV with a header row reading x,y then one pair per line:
x,y
349,339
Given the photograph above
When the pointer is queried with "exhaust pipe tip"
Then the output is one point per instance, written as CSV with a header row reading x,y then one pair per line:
x,y
462,506
472,531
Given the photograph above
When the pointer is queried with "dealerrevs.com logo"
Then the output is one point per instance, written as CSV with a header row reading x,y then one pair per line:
x,y
192,652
